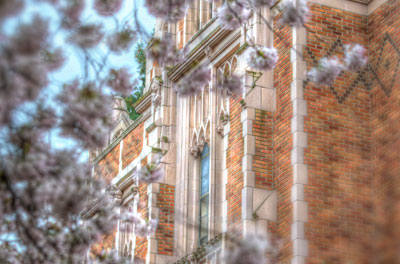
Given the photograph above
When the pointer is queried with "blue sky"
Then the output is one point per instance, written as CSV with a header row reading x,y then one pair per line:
x,y
73,66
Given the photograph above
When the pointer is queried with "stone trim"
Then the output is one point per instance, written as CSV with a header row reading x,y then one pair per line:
x,y
300,206
344,5
201,251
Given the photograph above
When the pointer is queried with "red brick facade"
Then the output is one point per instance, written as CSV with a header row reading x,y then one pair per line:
x,y
352,153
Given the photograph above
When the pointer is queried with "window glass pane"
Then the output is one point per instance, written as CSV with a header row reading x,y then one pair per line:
x,y
205,168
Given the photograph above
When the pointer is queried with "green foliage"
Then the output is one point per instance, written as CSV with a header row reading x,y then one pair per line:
x,y
140,58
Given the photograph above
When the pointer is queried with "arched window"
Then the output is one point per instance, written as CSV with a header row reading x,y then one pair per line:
x,y
204,194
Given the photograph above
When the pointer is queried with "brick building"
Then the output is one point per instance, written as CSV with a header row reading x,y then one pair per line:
x,y
315,166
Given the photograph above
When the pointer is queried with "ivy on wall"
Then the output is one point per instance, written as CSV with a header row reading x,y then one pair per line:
x,y
140,58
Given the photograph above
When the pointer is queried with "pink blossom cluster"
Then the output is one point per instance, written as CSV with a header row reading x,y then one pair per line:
x,y
121,81
233,14
232,83
87,36
326,72
194,82
150,173
168,10
164,51
107,7
251,250
120,41
294,12
259,3
87,114
262,58
329,69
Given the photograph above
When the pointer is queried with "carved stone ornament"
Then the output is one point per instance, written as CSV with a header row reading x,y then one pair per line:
x,y
208,51
194,150
116,194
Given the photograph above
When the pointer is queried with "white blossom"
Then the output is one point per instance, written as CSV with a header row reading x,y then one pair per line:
x,y
251,250
107,7
150,173
122,40
232,83
258,3
355,57
164,52
194,82
168,10
294,12
326,72
30,38
9,8
120,81
233,14
87,115
87,36
262,58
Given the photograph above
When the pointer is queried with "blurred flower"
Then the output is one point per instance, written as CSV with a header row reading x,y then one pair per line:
x,y
232,83
9,8
262,58
194,82
294,12
150,174
233,14
326,72
87,114
30,38
170,10
355,57
72,13
53,59
258,3
251,250
107,7
87,36
164,51
120,81
122,40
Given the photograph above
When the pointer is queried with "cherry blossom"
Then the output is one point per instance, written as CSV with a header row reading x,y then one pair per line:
x,y
294,12
87,36
164,51
326,72
258,3
194,82
121,41
355,57
262,58
150,174
233,14
87,114
232,83
107,7
120,81
168,10
251,250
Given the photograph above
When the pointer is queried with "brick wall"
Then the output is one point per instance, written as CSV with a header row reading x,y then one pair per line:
x,y
234,165
133,144
283,138
263,158
339,136
384,43
165,230
108,167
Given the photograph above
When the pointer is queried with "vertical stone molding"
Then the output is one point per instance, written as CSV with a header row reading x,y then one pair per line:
x,y
300,206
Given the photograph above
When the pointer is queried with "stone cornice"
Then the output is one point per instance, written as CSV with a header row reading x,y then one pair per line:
x,y
143,103
209,37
